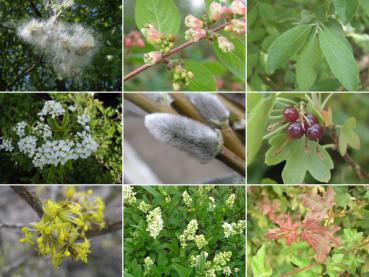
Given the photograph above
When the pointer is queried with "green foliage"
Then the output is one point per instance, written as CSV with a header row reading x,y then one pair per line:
x,y
276,257
177,249
303,44
203,79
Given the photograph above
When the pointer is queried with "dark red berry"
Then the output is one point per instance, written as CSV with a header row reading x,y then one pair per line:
x,y
310,119
290,114
295,131
314,132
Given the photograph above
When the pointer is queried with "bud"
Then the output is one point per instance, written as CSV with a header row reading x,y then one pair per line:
x,y
151,34
225,45
176,86
227,11
190,74
238,27
238,7
195,34
215,11
197,139
152,58
193,22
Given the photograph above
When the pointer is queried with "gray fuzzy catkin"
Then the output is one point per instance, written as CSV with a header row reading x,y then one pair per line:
x,y
197,139
210,107
161,98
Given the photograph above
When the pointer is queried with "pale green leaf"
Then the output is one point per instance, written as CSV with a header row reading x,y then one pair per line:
x,y
348,136
203,79
346,9
162,14
339,56
258,265
299,160
286,46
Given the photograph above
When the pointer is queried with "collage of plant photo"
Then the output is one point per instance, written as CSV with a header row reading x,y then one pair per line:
x,y
184,138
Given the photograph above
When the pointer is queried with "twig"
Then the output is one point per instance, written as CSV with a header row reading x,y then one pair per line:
x,y
26,71
12,225
297,270
172,52
232,160
110,226
147,104
232,107
30,197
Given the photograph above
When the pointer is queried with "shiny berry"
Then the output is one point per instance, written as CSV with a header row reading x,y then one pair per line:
x,y
310,119
290,114
314,132
295,131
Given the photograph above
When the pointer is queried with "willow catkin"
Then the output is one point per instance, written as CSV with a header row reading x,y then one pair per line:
x,y
197,139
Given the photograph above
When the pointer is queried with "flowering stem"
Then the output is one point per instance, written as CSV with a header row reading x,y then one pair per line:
x,y
172,52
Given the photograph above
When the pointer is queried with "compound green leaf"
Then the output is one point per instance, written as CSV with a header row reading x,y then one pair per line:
x,y
308,64
346,9
235,60
348,136
203,80
162,14
339,56
315,160
286,46
257,124
258,265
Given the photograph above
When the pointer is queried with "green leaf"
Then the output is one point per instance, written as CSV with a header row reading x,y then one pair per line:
x,y
339,56
208,3
365,6
162,14
257,124
346,9
348,136
65,120
308,64
342,197
286,46
235,60
181,270
203,79
258,265
299,160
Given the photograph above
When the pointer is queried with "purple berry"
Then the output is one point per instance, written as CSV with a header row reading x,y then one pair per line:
x,y
295,131
310,119
314,132
290,114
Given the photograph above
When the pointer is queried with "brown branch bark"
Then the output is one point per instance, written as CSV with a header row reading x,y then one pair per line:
x,y
30,197
147,104
232,160
174,51
110,226
12,225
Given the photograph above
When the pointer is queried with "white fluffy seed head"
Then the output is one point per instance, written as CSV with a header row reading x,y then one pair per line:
x,y
69,47
197,139
210,107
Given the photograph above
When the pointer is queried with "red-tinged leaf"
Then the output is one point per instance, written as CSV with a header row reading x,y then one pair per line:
x,y
269,208
318,205
288,230
320,238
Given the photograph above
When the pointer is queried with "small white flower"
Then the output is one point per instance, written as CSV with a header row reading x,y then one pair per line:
x,y
187,199
155,222
6,144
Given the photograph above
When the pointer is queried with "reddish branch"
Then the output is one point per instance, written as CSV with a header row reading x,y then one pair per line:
x,y
171,53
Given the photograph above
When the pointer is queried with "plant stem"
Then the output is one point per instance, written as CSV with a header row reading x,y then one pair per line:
x,y
171,53
147,104
232,141
232,160
232,107
30,197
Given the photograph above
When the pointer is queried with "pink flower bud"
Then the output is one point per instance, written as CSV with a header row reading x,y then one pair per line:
x,y
215,11
151,34
227,11
225,45
152,57
238,7
140,43
238,27
127,42
195,34
193,22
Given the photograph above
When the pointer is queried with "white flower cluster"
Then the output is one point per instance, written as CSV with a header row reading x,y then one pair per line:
x,y
69,47
6,144
233,228
190,235
155,222
195,260
219,263
144,207
230,201
37,143
129,195
148,262
187,199
52,108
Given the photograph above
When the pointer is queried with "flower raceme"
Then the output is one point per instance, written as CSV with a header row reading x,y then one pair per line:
x,y
193,22
61,232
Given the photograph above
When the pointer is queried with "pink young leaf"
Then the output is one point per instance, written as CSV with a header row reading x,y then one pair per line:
x,y
320,238
318,205
288,230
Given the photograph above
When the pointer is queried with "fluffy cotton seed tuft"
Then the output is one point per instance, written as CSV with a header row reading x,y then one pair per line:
x,y
210,107
199,140
69,47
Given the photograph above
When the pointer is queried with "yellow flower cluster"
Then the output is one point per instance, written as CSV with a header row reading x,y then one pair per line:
x,y
61,232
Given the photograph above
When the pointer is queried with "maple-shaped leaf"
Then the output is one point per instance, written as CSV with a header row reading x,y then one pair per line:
x,y
319,205
299,161
348,136
320,238
288,230
269,208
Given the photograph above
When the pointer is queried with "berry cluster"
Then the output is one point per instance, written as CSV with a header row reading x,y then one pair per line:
x,y
302,124
181,77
